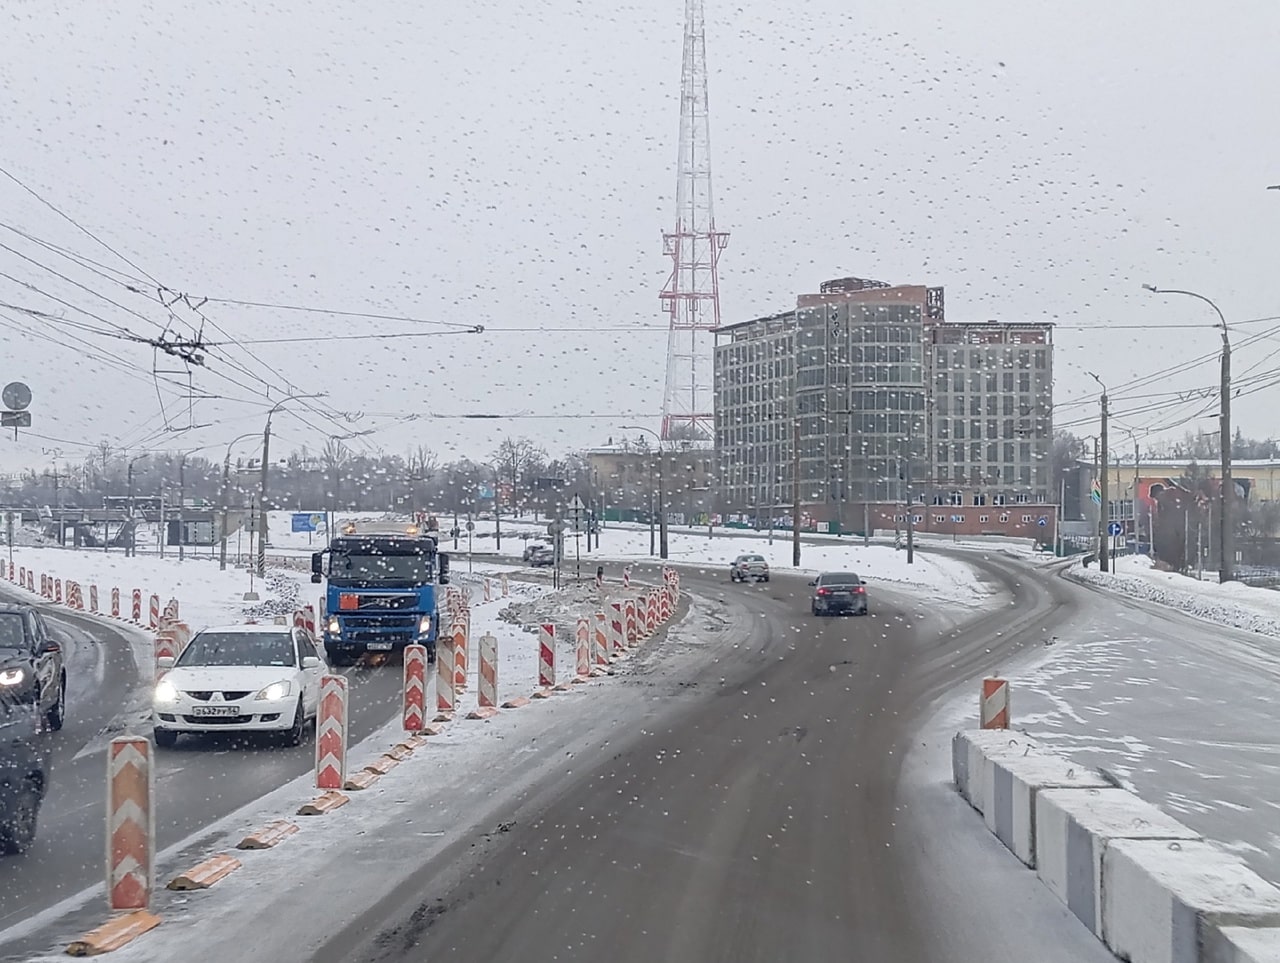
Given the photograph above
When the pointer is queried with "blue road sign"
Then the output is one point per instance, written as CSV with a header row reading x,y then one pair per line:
x,y
305,521
1115,528
1043,521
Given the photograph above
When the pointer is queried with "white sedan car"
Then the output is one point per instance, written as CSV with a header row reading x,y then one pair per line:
x,y
242,678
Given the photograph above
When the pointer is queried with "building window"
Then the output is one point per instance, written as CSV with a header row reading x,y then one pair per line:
x,y
1004,517
937,499
983,518
979,499
1023,498
957,498
1026,519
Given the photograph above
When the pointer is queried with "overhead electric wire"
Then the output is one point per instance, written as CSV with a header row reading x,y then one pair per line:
x,y
338,313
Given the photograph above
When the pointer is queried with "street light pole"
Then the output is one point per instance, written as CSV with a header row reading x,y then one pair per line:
x,y
1227,494
1104,513
226,491
662,501
261,563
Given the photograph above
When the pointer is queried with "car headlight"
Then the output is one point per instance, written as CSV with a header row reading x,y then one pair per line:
x,y
166,692
424,625
11,677
275,692
332,626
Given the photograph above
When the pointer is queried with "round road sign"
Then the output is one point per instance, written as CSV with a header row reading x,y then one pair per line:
x,y
16,396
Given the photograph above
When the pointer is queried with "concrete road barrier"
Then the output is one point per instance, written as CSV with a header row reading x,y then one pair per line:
x,y
1243,944
205,874
969,750
269,836
1074,827
114,934
1010,784
1167,901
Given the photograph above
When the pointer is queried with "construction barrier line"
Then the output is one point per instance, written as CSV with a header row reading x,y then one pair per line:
x,y
546,656
993,707
582,640
446,693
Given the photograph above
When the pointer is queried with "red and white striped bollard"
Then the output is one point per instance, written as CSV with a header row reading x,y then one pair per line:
x,y
582,643
546,656
993,707
331,733
415,688
131,825
446,693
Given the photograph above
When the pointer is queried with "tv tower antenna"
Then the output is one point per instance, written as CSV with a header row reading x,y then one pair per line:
x,y
692,293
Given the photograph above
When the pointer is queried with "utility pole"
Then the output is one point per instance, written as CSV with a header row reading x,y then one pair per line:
x,y
1226,562
226,520
182,497
261,563
911,528
795,493
662,504
1104,510
497,511
1225,527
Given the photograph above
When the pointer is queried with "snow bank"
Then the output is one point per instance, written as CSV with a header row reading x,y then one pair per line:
x,y
206,595
1233,604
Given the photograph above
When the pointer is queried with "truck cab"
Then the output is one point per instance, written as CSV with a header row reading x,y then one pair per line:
x,y
381,590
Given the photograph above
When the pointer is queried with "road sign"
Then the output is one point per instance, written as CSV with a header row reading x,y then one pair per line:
x,y
577,504
1115,528
1043,522
15,419
471,526
16,395
555,528
302,522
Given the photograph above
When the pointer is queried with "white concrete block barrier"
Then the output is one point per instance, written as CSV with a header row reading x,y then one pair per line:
x,y
1074,827
1010,784
969,751
1244,944
1175,901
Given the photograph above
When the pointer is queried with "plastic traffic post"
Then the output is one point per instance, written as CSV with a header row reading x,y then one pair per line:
x,y
630,610
505,586
136,615
993,708
93,599
459,633
626,577
488,688
331,733
546,656
153,612
131,829
600,639
446,694
415,688
582,640
617,629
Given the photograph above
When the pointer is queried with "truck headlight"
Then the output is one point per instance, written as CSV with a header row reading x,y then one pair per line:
x,y
275,692
424,625
332,626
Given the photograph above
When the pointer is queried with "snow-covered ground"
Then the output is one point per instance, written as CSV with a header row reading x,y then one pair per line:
x,y
206,595
1232,604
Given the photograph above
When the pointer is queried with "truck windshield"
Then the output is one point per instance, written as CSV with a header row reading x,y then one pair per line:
x,y
380,568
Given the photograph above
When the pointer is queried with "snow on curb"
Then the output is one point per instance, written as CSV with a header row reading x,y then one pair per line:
x,y
1149,887
1234,605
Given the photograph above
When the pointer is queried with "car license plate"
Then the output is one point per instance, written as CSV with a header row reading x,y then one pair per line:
x,y
378,646
215,710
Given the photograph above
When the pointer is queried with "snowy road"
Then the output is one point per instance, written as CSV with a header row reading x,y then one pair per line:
x,y
1183,710
766,819
196,783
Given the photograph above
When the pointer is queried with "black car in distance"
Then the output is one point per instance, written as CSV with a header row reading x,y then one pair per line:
x,y
836,592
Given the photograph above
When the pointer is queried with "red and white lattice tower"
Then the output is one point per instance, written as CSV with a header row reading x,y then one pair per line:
x,y
692,293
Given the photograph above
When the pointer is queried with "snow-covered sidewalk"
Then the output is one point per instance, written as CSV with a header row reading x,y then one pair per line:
x,y
1232,604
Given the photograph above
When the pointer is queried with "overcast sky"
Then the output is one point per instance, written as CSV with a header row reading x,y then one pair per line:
x,y
513,166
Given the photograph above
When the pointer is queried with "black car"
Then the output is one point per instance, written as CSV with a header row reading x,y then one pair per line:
x,y
23,774
542,556
839,592
31,669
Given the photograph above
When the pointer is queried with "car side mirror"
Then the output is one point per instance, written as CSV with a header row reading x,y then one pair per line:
x,y
814,582
311,662
50,647
164,662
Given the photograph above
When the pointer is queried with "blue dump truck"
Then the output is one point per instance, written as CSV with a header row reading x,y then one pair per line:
x,y
381,593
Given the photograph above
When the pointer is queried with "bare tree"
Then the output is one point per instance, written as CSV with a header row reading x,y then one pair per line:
x,y
515,460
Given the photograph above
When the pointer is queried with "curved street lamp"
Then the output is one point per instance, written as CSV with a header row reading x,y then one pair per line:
x,y
662,501
1227,493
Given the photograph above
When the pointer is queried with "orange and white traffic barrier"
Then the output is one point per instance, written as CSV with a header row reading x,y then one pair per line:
x,y
446,694
630,623
166,646
57,591
459,631
11,571
415,688
617,629
309,618
181,635
136,610
131,829
171,609
993,708
488,589
115,603
600,639
22,575
331,733
626,577
505,586
487,695
582,642
664,606
93,599
546,656
153,612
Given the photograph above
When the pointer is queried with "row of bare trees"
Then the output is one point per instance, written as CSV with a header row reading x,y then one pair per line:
x,y
337,477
